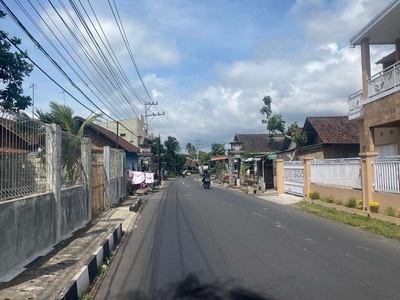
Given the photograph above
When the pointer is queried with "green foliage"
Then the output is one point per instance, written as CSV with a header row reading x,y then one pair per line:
x,y
13,69
352,203
191,149
204,156
359,204
266,109
276,124
63,116
330,199
390,211
217,149
338,201
313,195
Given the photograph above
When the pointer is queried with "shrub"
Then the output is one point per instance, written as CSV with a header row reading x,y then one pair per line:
x,y
313,195
338,201
330,199
390,211
374,207
359,204
352,203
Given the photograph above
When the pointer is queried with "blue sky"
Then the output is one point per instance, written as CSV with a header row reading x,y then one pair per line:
x,y
210,63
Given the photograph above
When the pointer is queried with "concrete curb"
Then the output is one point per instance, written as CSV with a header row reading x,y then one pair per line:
x,y
86,275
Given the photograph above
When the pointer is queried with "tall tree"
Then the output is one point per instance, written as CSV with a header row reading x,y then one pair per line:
x,y
173,159
191,149
217,149
13,69
276,124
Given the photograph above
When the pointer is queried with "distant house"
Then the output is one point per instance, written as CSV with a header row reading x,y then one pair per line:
x,y
260,150
330,137
260,143
102,137
191,164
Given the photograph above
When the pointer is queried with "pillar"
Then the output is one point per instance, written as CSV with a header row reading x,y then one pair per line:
x,y
53,172
107,171
307,175
367,177
365,66
397,43
86,157
280,180
231,169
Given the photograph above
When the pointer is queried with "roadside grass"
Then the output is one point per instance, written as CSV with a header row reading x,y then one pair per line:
x,y
386,229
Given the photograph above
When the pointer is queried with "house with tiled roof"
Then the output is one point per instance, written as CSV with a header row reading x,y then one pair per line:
x,y
260,143
103,137
330,137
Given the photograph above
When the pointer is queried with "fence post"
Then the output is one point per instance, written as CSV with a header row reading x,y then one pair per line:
x,y
86,154
280,177
123,166
307,175
107,167
53,170
367,177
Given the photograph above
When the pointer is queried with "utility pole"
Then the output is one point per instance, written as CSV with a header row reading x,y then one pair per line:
x,y
33,86
117,133
198,143
159,160
147,106
63,92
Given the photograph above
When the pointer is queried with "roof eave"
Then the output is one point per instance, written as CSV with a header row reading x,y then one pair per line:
x,y
359,36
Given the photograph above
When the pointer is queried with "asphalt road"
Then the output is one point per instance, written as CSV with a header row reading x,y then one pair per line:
x,y
226,236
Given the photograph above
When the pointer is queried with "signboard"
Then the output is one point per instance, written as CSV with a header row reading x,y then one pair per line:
x,y
272,156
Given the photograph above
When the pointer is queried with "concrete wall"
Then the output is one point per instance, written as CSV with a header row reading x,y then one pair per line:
x,y
386,199
26,229
336,192
114,191
384,111
73,209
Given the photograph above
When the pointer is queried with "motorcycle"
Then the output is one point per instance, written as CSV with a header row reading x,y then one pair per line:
x,y
206,182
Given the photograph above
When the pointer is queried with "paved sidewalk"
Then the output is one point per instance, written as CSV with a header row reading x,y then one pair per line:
x,y
284,199
66,271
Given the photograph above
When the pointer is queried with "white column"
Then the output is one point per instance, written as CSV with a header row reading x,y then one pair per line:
x,y
107,187
53,170
86,156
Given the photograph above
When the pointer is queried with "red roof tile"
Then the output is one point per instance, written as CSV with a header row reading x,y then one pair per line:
x,y
129,147
332,130
259,142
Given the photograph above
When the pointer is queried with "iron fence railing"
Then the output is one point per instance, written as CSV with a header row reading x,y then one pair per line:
x,y
22,155
344,172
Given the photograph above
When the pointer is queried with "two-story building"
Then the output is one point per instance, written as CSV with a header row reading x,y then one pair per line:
x,y
377,105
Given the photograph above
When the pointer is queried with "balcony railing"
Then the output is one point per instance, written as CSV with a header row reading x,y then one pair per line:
x,y
384,80
355,100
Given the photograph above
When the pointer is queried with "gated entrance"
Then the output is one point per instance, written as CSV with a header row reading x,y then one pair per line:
x,y
293,172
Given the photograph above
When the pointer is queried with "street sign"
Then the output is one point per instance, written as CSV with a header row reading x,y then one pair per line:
x,y
272,156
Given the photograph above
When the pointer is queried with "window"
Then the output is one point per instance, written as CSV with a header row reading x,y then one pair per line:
x,y
386,150
122,134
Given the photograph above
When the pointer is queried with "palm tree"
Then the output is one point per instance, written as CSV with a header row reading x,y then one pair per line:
x,y
63,116
190,148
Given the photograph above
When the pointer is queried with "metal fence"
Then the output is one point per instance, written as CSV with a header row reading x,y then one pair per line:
x,y
22,155
343,172
293,173
386,174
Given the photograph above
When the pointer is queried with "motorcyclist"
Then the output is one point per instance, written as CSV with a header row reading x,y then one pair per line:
x,y
205,176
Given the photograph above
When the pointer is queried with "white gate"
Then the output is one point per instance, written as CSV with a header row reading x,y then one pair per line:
x,y
293,173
